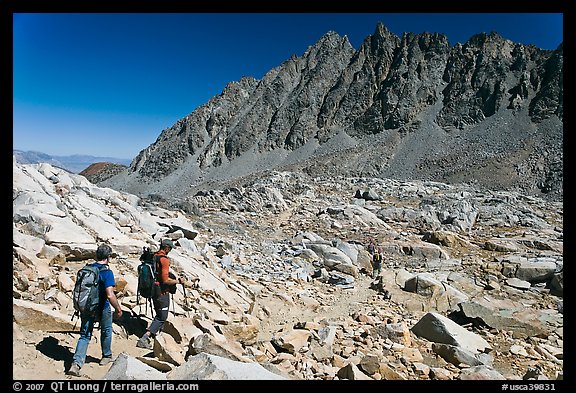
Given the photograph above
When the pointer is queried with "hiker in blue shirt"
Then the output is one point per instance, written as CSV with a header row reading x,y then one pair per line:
x,y
103,315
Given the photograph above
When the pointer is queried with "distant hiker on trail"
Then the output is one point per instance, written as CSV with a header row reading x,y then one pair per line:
x,y
103,314
376,263
371,246
161,301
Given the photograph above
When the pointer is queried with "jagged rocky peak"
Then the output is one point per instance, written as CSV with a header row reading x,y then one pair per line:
x,y
330,41
492,43
490,72
382,35
396,107
380,44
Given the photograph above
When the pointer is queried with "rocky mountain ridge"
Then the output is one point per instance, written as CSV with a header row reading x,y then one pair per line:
x,y
488,112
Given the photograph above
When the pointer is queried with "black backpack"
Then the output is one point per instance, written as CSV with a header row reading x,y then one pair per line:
x,y
149,285
86,293
147,279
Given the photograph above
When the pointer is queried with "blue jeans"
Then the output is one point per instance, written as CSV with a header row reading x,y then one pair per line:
x,y
86,327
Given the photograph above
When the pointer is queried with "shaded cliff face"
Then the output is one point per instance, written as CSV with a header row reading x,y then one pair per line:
x,y
487,112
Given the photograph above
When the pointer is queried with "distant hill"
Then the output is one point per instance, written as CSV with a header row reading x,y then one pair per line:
x,y
74,163
101,171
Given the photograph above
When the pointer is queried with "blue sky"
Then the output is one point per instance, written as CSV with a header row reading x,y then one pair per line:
x,y
107,84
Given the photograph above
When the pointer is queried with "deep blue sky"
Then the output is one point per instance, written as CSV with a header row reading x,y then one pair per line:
x,y
107,84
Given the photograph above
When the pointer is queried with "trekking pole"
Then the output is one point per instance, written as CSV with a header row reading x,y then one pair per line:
x,y
184,291
185,297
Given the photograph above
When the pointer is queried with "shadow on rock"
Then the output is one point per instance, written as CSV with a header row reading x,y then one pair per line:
x,y
50,347
132,324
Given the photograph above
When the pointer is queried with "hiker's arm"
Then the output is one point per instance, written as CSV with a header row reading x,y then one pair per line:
x,y
113,300
173,281
165,268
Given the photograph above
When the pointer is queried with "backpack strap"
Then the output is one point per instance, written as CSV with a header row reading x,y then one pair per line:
x,y
100,266
157,267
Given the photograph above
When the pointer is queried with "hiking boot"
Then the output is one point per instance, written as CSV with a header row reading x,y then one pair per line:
x,y
74,370
105,360
145,342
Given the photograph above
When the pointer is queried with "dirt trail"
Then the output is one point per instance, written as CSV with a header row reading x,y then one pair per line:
x,y
47,355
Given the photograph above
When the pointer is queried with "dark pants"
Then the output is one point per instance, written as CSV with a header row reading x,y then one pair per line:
x,y
376,269
161,306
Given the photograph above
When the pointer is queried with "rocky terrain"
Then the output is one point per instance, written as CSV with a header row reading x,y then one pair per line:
x,y
449,158
487,113
471,287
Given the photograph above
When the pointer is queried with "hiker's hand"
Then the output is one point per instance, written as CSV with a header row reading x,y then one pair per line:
x,y
117,314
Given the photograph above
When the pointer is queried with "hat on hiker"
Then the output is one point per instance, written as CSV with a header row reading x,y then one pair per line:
x,y
166,243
